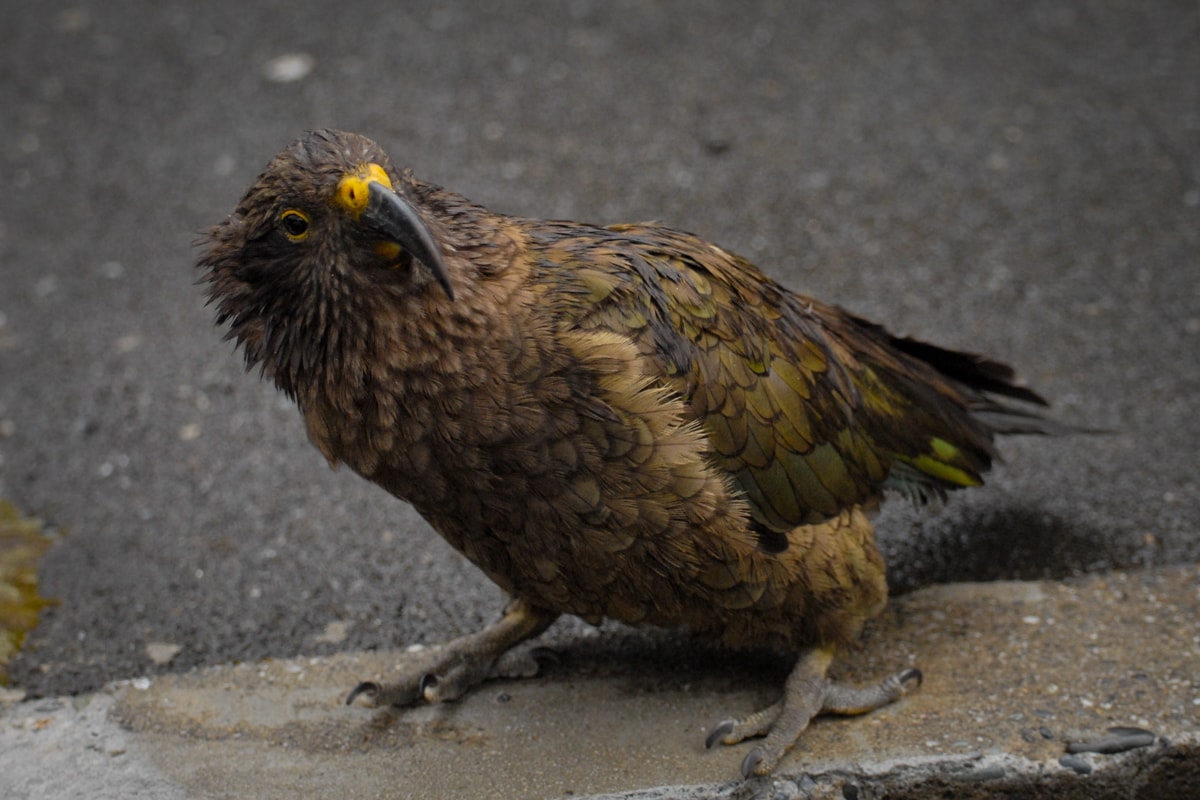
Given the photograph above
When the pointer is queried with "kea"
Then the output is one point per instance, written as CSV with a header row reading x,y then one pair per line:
x,y
623,421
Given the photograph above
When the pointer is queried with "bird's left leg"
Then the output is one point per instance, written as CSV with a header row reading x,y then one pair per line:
x,y
806,694
462,663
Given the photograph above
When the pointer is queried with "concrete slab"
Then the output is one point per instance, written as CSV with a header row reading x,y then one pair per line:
x,y
1025,684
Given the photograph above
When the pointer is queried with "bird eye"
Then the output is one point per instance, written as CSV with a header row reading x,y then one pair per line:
x,y
295,224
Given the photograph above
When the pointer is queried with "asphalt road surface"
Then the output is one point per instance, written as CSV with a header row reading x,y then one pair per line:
x,y
1018,179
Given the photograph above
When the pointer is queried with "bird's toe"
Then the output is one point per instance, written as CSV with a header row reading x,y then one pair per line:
x,y
368,690
719,732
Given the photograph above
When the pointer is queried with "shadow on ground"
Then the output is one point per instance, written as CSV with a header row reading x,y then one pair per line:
x,y
1005,543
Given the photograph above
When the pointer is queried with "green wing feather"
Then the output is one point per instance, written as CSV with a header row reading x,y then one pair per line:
x,y
809,409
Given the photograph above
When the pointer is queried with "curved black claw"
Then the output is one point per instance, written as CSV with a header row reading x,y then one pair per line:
x,y
751,762
369,688
428,681
718,732
544,655
911,674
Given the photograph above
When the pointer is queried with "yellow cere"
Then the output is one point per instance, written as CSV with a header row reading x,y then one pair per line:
x,y
352,192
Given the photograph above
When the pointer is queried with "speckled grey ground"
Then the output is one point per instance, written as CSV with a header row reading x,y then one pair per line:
x,y
1017,179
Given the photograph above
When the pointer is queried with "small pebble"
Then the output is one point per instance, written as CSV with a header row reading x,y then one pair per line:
x,y
1079,765
289,68
1117,740
334,632
161,652
989,773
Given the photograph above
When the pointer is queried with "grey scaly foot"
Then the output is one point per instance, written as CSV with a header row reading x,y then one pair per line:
x,y
807,694
464,662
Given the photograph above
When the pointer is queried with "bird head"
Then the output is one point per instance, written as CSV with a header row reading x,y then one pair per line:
x,y
321,232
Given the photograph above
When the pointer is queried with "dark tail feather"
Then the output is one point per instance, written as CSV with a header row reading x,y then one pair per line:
x,y
985,377
974,371
971,370
990,378
993,377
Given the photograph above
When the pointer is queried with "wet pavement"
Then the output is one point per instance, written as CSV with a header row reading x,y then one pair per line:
x,y
1022,181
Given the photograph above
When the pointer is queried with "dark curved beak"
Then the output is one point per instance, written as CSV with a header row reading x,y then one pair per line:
x,y
391,216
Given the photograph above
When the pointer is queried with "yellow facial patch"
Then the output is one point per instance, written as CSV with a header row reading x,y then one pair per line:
x,y
353,189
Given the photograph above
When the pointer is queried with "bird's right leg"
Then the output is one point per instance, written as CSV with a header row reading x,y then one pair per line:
x,y
807,693
463,662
